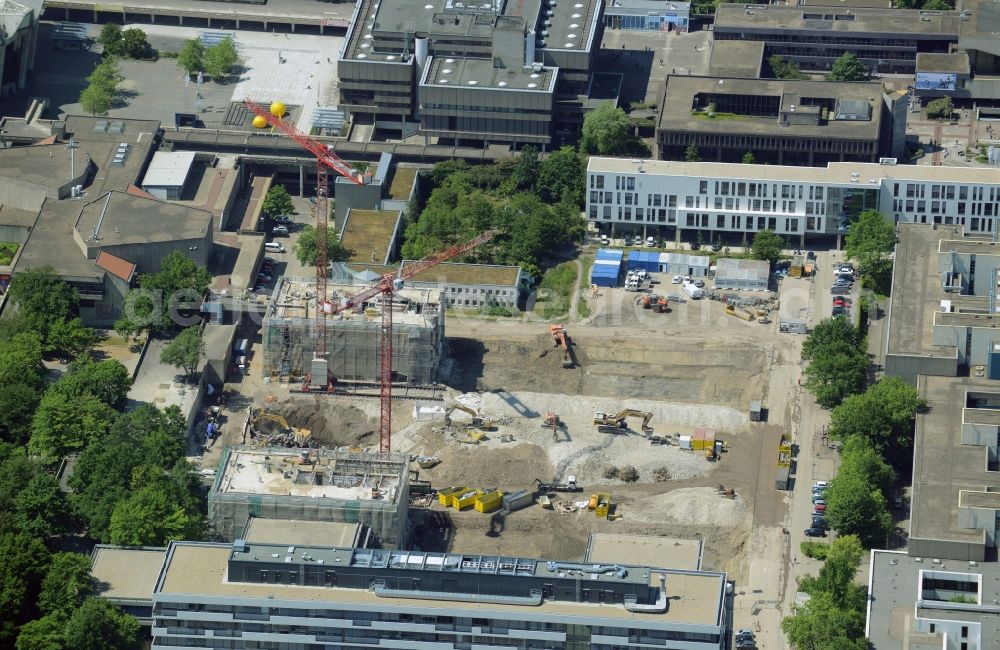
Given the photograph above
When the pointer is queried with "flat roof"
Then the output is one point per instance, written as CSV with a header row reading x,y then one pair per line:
x,y
301,533
680,91
736,58
119,218
481,74
916,291
168,169
194,569
644,7
739,269
835,173
454,273
848,21
649,550
402,182
979,30
17,217
956,62
893,601
296,298
943,467
282,472
367,234
126,573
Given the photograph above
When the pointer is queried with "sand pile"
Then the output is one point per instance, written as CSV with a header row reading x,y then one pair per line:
x,y
691,507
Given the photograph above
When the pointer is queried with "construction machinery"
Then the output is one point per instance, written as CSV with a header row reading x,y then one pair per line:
x,y
739,312
273,430
385,288
616,423
478,421
655,302
553,422
569,486
561,339
602,504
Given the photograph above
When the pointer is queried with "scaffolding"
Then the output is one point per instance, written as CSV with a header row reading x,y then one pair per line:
x,y
311,485
353,338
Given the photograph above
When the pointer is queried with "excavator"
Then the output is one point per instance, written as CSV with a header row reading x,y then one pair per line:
x,y
615,423
655,302
478,422
561,339
275,430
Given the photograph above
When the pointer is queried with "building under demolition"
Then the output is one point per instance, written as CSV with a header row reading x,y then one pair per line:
x,y
311,485
353,336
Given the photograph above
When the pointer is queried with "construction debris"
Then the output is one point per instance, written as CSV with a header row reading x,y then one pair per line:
x,y
272,430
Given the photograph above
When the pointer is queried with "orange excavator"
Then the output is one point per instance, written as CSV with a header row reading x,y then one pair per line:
x,y
655,302
558,333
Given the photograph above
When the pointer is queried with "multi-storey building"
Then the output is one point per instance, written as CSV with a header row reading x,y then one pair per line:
x,y
666,198
253,595
784,122
494,71
886,39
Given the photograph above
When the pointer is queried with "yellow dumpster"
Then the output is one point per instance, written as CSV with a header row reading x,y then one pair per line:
x,y
463,500
444,496
490,501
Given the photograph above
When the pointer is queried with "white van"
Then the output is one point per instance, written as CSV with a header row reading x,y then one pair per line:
x,y
274,247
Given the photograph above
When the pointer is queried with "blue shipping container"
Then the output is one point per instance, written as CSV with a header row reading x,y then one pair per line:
x,y
610,254
644,260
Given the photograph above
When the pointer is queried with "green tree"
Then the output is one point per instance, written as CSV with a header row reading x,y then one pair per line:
x,y
749,158
40,508
107,380
102,90
43,298
835,372
524,174
70,337
836,577
100,625
66,585
107,74
185,351
560,172
21,360
150,517
855,508
848,68
831,331
870,241
859,458
940,109
305,247
44,633
691,154
782,68
18,401
192,57
607,131
162,297
820,625
883,416
767,245
277,202
60,426
23,562
220,59
110,39
135,45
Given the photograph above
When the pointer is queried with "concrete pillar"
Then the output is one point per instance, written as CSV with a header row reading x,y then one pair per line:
x,y
302,181
95,15
180,19
25,51
210,22
293,26
237,16
152,18
677,235
781,157
802,239
66,14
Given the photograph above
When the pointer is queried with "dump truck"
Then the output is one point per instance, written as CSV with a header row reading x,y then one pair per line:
x,y
739,312
616,423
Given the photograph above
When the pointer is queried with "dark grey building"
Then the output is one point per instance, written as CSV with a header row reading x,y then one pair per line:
x,y
778,121
498,71
886,39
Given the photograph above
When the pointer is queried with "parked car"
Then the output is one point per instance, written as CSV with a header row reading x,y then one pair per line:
x,y
839,301
897,502
821,484
810,255
839,311
699,283
819,522
651,242
695,246
840,290
604,240
282,218
687,278
280,231
746,644
717,246
815,532
818,490
818,499
819,507
676,279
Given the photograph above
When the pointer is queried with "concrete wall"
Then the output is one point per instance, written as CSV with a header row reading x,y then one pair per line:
x,y
908,366
946,549
350,195
16,234
147,257
104,312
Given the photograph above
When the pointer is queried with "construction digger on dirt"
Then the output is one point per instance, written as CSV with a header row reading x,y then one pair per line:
x,y
561,339
276,430
478,422
608,423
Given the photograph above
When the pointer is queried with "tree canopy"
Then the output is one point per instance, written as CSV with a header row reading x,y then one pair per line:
x,y
102,89
692,154
23,562
67,583
192,56
940,109
305,247
882,416
166,299
848,68
767,245
220,59
607,131
869,241
185,351
838,362
560,173
100,625
130,43
43,298
277,202
782,68
853,507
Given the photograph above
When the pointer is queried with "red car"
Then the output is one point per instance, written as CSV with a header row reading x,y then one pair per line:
x,y
820,507
841,301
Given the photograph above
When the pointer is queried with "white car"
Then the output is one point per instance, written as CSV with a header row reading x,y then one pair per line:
x,y
676,279
651,242
280,230
604,240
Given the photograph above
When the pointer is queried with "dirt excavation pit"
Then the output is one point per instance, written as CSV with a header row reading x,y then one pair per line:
x,y
333,422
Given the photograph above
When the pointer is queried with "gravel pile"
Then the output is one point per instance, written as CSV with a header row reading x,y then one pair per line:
x,y
691,507
635,451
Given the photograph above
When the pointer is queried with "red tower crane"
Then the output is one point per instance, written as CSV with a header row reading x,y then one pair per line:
x,y
386,287
324,158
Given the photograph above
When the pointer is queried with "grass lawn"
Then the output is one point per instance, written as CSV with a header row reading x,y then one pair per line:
x,y
7,252
554,290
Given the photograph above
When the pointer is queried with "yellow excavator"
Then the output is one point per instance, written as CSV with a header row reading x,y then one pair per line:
x,y
615,423
478,422
275,430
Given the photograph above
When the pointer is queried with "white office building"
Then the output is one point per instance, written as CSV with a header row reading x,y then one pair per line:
x,y
733,201
258,595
